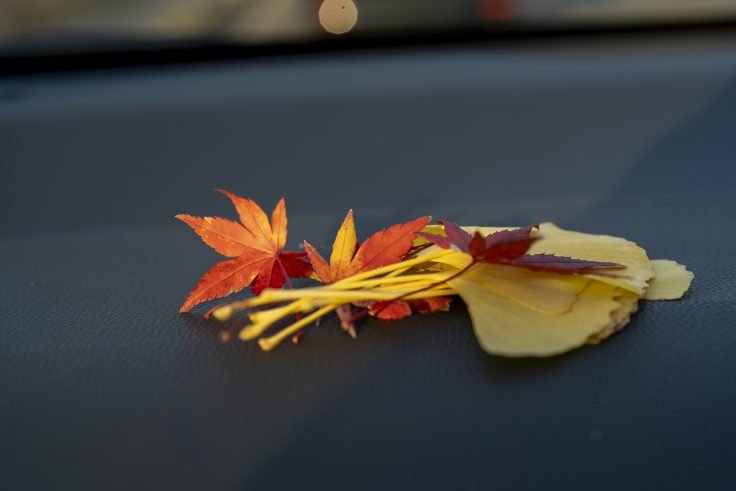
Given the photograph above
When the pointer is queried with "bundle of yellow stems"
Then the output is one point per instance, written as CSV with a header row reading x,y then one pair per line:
x,y
411,279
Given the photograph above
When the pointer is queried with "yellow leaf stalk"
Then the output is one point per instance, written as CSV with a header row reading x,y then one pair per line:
x,y
514,311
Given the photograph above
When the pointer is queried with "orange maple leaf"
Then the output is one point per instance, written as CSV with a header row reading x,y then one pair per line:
x,y
380,249
256,245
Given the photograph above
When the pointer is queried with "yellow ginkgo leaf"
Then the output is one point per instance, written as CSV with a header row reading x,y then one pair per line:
x,y
592,247
504,327
545,293
628,303
670,281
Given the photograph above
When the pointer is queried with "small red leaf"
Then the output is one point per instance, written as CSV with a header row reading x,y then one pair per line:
x,y
390,310
477,246
430,305
294,265
438,240
457,235
509,247
269,276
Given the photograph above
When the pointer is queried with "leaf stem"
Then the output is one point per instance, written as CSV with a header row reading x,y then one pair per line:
x,y
225,312
413,293
260,321
267,344
317,294
388,280
391,267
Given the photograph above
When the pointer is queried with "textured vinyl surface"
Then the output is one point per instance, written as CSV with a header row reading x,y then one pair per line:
x,y
104,386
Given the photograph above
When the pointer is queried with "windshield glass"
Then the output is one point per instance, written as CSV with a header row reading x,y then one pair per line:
x,y
63,26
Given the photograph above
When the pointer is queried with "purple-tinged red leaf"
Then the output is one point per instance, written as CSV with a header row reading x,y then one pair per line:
x,y
509,247
457,235
506,245
561,264
439,240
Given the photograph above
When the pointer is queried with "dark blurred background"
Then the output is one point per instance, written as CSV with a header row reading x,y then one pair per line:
x,y
45,26
605,116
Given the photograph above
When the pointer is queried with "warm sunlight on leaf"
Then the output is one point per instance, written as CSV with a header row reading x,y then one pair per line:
x,y
670,282
547,293
506,328
380,249
256,246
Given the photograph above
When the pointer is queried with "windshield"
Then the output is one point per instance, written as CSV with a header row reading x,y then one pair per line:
x,y
30,27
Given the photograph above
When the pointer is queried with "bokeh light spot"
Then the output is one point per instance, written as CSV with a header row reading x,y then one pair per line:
x,y
338,16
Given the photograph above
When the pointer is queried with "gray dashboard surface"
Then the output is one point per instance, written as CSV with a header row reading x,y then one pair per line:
x,y
104,386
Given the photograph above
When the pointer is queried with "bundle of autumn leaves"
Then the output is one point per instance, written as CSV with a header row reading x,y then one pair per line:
x,y
530,291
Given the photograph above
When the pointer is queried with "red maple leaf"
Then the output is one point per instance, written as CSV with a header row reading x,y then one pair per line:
x,y
349,258
256,246
509,247
398,309
380,249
